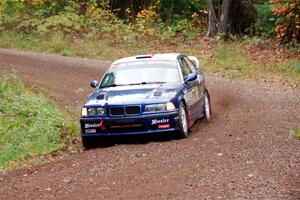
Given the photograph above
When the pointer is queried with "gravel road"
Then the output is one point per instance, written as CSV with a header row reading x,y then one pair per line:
x,y
244,153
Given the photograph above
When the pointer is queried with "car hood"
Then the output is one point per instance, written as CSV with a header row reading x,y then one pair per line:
x,y
137,94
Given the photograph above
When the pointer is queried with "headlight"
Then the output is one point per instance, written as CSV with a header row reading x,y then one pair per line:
x,y
100,111
170,106
84,111
159,107
92,111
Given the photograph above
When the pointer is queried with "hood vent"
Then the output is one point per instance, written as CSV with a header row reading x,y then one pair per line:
x,y
100,96
158,93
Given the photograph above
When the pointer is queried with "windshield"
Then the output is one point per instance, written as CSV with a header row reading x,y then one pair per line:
x,y
141,72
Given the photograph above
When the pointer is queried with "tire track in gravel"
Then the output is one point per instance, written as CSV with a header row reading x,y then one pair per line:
x,y
244,153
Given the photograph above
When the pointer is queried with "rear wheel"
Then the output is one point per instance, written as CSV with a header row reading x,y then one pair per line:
x,y
207,107
183,123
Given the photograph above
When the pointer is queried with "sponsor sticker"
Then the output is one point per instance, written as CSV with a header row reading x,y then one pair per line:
x,y
159,121
192,96
162,126
94,125
90,130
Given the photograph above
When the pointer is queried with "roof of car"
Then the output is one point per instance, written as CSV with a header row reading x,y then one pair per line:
x,y
163,56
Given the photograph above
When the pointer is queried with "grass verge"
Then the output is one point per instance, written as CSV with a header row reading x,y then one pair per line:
x,y
295,132
231,59
31,125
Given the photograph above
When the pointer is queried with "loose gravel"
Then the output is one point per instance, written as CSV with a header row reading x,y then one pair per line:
x,y
244,153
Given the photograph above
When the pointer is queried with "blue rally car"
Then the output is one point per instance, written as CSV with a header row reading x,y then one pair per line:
x,y
146,94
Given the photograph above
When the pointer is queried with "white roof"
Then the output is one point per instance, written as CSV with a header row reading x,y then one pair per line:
x,y
163,56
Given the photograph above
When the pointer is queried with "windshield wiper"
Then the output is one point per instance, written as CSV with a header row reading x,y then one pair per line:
x,y
144,83
141,83
111,85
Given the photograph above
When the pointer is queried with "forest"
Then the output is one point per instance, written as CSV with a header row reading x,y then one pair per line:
x,y
164,19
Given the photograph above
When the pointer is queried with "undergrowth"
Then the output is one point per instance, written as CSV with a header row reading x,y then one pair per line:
x,y
31,125
296,132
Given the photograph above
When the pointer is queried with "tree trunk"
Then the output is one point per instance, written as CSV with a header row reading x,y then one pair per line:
x,y
223,26
212,19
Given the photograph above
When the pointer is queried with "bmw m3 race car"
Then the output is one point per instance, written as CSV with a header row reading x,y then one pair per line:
x,y
146,94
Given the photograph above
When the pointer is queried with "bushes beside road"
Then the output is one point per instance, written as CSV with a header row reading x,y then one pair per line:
x,y
31,125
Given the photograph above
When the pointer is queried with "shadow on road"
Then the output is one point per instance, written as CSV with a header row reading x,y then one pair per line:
x,y
104,142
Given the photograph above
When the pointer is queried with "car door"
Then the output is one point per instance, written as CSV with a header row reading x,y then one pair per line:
x,y
191,92
200,85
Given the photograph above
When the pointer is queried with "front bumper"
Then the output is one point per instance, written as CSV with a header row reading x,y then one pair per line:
x,y
141,124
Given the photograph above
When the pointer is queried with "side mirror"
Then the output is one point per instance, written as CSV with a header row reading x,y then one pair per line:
x,y
190,77
195,60
94,84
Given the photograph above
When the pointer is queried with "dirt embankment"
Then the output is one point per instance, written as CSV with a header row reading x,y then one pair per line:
x,y
244,153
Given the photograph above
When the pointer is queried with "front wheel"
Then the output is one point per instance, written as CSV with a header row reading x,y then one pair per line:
x,y
88,142
183,122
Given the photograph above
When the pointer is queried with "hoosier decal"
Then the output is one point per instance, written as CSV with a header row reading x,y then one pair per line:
x,y
94,125
159,121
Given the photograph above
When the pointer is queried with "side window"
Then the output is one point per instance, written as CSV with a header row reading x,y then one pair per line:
x,y
191,65
108,79
186,70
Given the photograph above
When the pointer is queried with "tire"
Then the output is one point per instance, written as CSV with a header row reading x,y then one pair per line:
x,y
207,113
88,142
183,123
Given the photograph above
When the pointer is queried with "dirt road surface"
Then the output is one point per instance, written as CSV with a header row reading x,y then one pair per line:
x,y
244,153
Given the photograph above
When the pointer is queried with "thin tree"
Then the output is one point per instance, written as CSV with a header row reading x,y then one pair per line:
x,y
224,18
216,26
212,19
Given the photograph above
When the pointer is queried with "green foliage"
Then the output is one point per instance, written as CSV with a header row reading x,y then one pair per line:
x,y
266,21
12,6
96,17
170,9
295,131
231,60
162,19
290,69
66,22
186,27
30,124
57,43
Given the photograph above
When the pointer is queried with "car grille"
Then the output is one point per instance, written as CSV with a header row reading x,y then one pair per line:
x,y
127,110
117,111
127,128
133,110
